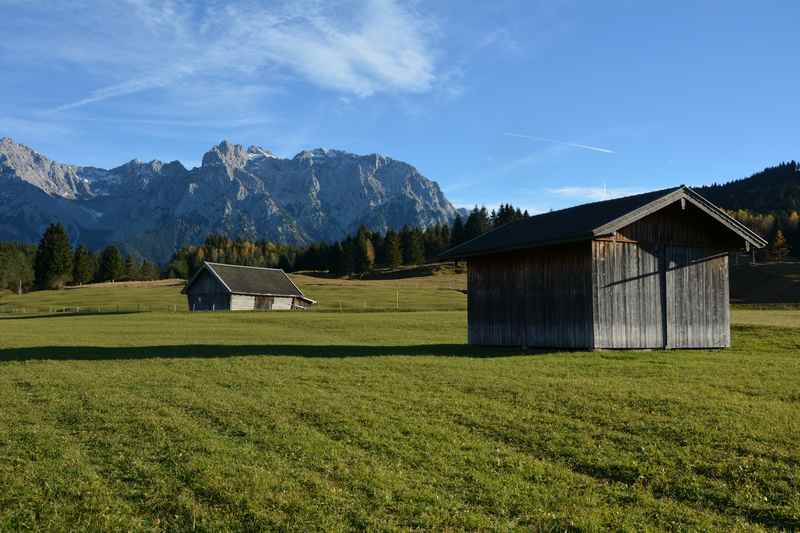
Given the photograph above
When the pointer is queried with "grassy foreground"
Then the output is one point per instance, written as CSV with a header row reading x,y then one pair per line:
x,y
354,420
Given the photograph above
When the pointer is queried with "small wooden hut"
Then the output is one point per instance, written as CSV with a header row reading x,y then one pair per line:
x,y
219,287
645,271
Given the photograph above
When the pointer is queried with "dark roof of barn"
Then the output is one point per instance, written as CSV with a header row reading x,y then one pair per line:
x,y
254,281
587,221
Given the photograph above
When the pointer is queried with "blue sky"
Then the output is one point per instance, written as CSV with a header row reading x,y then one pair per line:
x,y
542,104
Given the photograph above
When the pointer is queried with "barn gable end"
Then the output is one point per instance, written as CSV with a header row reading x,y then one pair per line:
x,y
207,293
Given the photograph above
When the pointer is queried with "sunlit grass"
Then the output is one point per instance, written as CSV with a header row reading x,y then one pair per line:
x,y
385,420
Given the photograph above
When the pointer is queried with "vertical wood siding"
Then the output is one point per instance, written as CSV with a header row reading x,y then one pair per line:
x,y
627,304
661,282
241,302
697,298
281,303
535,298
208,294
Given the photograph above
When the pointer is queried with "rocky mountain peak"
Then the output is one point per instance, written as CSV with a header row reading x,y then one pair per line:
x,y
22,163
225,154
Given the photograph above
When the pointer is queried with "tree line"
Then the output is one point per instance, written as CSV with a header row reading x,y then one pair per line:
x,y
355,254
781,229
54,263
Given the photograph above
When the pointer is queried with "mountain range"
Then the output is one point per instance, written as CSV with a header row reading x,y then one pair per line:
x,y
152,208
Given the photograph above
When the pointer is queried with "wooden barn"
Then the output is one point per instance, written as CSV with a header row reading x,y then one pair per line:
x,y
218,287
646,271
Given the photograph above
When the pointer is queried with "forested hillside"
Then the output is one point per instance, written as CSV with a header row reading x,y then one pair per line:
x,y
768,202
772,190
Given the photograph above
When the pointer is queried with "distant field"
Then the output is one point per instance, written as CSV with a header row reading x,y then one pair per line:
x,y
434,292
383,420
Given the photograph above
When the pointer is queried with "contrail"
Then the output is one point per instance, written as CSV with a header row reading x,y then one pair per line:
x,y
574,145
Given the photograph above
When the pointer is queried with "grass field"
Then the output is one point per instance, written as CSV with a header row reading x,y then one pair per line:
x,y
383,420
435,292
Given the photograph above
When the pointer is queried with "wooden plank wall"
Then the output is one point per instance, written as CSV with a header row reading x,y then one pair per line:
x,y
677,226
697,298
663,282
207,294
626,296
660,282
535,298
241,302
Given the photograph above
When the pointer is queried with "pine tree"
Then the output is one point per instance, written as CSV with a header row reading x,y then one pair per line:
x,y
16,266
444,236
780,248
53,263
84,265
132,268
394,254
434,242
364,251
412,245
457,235
112,266
477,224
507,214
150,271
344,257
285,262
198,257
179,266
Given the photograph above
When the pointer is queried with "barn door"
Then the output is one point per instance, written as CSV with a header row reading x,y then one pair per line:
x,y
694,296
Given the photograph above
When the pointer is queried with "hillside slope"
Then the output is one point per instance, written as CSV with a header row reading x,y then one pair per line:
x,y
773,189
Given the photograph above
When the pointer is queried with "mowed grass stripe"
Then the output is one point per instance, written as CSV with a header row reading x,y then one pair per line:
x,y
47,479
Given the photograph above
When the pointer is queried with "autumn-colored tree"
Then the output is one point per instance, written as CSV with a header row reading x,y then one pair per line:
x,y
780,248
392,250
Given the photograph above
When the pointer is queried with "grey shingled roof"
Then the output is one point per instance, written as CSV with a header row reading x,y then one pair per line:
x,y
254,280
584,222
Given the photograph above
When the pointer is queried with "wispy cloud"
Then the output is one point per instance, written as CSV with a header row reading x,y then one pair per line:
x,y
592,193
562,143
357,48
120,89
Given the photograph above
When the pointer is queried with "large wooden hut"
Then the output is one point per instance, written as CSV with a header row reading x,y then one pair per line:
x,y
219,287
645,271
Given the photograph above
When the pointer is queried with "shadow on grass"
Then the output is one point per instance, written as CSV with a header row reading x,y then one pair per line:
x,y
12,316
90,353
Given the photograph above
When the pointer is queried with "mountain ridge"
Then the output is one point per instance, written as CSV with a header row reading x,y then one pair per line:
x,y
153,208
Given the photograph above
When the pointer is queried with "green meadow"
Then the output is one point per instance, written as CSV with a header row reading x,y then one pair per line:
x,y
371,413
